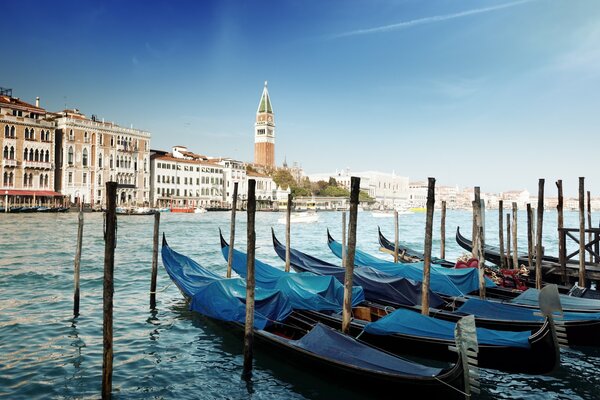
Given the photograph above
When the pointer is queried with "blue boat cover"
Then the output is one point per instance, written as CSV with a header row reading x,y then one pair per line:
x,y
412,323
530,298
306,291
327,342
447,281
377,286
223,299
507,312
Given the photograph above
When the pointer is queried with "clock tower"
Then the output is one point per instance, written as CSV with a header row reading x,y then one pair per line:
x,y
264,132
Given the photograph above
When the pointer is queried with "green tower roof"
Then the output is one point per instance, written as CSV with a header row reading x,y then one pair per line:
x,y
265,102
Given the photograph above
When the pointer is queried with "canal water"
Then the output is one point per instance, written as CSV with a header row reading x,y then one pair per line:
x,y
172,353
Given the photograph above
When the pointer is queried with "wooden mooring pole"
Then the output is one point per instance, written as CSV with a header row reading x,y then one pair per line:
x,y
344,240
589,219
396,234
561,234
288,223
427,247
529,236
232,228
508,239
347,311
78,263
539,250
581,232
154,261
443,231
110,240
501,232
515,244
479,241
251,245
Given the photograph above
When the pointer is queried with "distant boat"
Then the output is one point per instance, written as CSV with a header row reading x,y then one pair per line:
x,y
382,214
417,209
300,217
199,210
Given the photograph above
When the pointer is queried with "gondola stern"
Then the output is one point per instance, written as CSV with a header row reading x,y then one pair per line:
x,y
222,239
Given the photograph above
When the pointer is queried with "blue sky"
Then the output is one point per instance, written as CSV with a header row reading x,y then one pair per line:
x,y
489,93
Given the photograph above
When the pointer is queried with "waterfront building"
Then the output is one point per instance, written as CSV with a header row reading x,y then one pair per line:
x,y
233,171
391,190
90,153
27,160
264,132
521,197
266,189
185,180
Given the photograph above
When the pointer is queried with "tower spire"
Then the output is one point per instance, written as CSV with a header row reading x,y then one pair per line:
x,y
264,131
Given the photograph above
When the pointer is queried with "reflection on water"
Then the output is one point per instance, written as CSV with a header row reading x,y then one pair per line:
x,y
170,352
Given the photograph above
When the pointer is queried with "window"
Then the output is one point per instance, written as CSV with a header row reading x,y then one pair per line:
x,y
111,162
11,154
46,180
100,160
6,134
71,135
5,154
84,178
47,157
41,180
26,136
25,153
70,178
70,156
12,131
85,157
100,139
32,134
112,142
37,155
99,179
30,154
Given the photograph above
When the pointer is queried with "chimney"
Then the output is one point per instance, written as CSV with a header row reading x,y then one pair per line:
x,y
37,101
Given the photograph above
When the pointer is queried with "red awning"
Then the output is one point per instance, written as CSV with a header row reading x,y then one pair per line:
x,y
38,193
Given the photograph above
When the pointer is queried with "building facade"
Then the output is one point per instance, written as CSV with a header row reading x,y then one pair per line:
x,y
264,132
27,143
90,153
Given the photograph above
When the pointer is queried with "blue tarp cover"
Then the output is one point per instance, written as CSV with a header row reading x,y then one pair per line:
x,y
447,281
495,310
329,343
408,322
223,299
377,286
306,291
530,297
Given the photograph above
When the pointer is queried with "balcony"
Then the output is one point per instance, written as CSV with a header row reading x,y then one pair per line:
x,y
37,164
10,163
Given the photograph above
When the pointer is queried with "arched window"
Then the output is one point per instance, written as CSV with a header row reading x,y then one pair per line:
x,y
5,180
10,179
70,155
30,180
117,162
26,133
30,154
47,136
32,134
12,131
111,163
47,158
5,154
99,179
11,155
71,135
41,180
25,154
85,157
100,160
37,155
46,181
6,134
25,180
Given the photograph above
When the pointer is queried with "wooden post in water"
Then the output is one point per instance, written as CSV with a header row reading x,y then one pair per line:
x,y
476,237
428,245
154,261
443,231
581,232
529,236
288,223
515,253
249,328
346,313
78,263
508,239
479,241
501,232
538,239
232,229
344,241
110,241
589,219
560,224
396,234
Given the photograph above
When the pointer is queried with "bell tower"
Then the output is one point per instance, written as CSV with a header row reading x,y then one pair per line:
x,y
264,132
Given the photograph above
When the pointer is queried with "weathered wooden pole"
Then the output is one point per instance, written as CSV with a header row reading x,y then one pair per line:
x,y
501,232
428,244
251,244
529,236
443,231
396,234
347,311
110,241
232,229
508,239
561,234
515,253
154,261
479,241
589,219
78,263
476,238
538,239
344,240
288,223
581,232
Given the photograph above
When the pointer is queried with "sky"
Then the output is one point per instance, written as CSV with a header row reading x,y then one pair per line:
x,y
487,93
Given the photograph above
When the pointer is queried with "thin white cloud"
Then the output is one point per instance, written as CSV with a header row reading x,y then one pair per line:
x,y
429,20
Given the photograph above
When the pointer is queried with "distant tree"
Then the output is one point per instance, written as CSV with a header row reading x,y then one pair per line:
x,y
334,191
332,181
364,197
284,179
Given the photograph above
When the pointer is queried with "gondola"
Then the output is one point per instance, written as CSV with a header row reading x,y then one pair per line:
x,y
580,329
405,331
316,347
408,254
